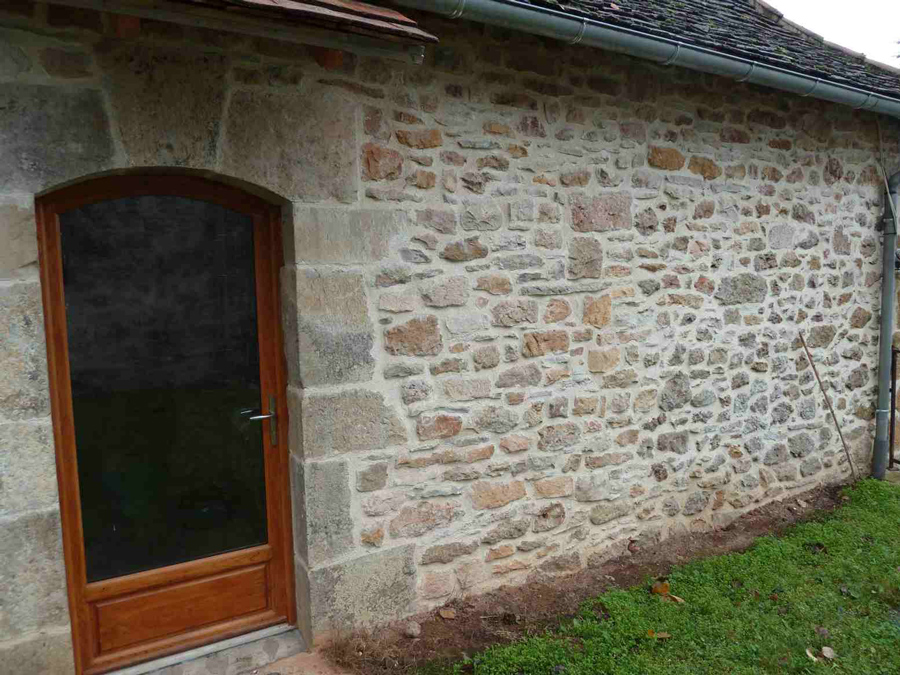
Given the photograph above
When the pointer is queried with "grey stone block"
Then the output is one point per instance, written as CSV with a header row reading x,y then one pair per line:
x,y
167,103
45,653
364,592
24,390
302,146
32,576
50,135
329,524
27,468
330,235
349,421
328,334
18,238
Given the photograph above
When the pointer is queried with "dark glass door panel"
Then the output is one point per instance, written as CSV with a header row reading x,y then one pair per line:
x,y
164,360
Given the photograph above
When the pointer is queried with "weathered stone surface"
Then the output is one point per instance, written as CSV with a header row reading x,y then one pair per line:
x,y
492,495
555,437
327,511
557,310
380,163
514,312
597,311
328,333
486,358
705,167
49,651
449,292
27,468
550,488
465,250
821,336
549,517
605,513
348,421
168,102
668,159
18,238
363,591
695,503
496,419
601,214
544,342
603,360
675,393
676,441
437,219
416,337
810,466
32,576
741,288
305,151
466,389
801,445
23,369
430,427
13,61
396,370
781,236
482,217
585,258
860,317
463,325
421,140
528,375
373,477
414,521
444,553
50,135
495,284
595,488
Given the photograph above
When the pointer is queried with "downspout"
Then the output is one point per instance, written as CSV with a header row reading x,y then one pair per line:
x,y
554,23
885,340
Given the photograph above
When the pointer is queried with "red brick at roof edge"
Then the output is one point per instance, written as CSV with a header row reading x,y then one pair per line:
x,y
344,15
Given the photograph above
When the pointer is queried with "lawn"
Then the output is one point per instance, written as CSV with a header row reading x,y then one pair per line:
x,y
831,585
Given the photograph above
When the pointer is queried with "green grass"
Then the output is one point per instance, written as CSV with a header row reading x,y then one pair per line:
x,y
756,612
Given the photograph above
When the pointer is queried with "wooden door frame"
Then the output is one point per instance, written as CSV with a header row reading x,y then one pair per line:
x,y
268,257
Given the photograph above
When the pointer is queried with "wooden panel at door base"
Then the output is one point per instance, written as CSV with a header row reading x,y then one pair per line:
x,y
173,609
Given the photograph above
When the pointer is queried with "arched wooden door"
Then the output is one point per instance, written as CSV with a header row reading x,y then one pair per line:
x,y
167,377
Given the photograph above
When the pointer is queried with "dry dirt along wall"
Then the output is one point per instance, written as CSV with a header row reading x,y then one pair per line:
x,y
541,304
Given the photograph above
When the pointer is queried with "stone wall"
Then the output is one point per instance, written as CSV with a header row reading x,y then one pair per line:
x,y
541,304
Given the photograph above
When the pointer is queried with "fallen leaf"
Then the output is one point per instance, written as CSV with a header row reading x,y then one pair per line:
x,y
660,588
810,655
802,504
828,653
662,635
675,598
447,613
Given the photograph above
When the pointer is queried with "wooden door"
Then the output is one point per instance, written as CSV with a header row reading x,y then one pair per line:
x,y
167,387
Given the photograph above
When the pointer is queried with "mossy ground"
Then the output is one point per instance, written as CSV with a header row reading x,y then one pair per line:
x,y
833,582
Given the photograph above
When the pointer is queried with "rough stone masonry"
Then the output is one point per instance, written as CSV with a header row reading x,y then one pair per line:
x,y
541,303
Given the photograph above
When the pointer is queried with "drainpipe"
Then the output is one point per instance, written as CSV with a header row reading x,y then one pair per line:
x,y
885,340
553,23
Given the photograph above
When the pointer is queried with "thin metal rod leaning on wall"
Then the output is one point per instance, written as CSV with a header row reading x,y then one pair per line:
x,y
881,449
552,23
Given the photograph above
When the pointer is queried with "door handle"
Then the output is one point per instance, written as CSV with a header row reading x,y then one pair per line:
x,y
260,416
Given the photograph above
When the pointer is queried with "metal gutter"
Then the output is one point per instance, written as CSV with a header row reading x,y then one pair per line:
x,y
552,23
881,449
